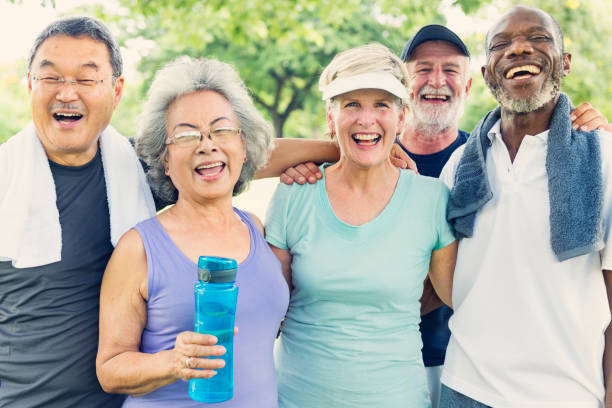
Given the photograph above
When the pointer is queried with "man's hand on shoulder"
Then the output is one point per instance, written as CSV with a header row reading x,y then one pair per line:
x,y
586,117
302,173
399,158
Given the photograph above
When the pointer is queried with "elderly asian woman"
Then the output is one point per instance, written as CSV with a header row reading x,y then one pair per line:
x,y
354,260
202,139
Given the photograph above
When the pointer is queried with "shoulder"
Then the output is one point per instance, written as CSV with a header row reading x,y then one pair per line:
x,y
462,136
425,185
447,176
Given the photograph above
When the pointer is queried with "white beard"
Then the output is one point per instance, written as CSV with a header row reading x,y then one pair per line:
x,y
430,119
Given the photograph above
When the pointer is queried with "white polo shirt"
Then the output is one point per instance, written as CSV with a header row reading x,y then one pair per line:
x,y
527,330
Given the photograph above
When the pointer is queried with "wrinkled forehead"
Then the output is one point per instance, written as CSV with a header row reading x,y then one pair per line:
x,y
521,20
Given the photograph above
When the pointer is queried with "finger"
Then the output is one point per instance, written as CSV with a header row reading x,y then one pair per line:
x,y
412,166
587,116
235,330
295,175
314,169
306,172
593,124
206,363
579,110
285,179
397,162
187,338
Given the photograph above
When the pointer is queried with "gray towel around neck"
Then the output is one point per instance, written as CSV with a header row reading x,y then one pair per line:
x,y
573,165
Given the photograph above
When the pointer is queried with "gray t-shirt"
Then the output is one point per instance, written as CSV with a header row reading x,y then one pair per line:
x,y
49,314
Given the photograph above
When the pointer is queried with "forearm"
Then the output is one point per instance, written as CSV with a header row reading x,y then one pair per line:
x,y
291,152
136,373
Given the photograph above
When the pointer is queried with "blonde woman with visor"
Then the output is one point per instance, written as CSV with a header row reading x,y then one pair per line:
x,y
355,249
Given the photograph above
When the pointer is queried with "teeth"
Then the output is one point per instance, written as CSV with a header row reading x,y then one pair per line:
x,y
532,69
365,137
208,166
432,96
69,114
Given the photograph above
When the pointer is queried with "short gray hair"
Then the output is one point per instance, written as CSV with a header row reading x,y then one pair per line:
x,y
186,75
81,27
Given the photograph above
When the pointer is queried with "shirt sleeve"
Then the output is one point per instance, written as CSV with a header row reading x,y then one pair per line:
x,y
445,231
276,217
448,172
606,162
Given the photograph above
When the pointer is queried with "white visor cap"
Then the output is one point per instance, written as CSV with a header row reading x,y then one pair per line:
x,y
371,80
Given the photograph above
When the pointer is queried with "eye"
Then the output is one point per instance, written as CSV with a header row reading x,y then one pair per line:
x,y
187,137
223,132
498,45
86,82
382,104
424,71
351,105
450,71
539,37
50,80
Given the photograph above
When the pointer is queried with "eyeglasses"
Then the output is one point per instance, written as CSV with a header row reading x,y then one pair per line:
x,y
50,83
191,138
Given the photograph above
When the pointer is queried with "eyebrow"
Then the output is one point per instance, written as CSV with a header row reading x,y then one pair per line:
x,y
89,64
445,65
192,126
530,30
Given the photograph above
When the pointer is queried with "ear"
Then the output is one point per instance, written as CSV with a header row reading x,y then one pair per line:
x,y
331,125
402,120
567,60
468,86
118,90
483,71
166,167
29,83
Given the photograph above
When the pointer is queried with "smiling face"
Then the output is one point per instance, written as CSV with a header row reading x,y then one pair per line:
x,y
210,169
439,84
366,122
69,118
525,61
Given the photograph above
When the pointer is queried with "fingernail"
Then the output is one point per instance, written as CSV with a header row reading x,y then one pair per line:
x,y
575,127
319,175
311,179
573,117
301,179
584,127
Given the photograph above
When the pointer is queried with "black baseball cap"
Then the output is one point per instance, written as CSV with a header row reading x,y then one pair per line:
x,y
433,32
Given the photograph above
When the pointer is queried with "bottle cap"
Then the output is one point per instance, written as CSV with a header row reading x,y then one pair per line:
x,y
215,269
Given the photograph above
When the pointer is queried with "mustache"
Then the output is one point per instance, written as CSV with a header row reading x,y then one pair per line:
x,y
430,90
67,106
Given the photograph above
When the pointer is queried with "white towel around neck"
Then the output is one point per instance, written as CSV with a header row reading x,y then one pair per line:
x,y
30,231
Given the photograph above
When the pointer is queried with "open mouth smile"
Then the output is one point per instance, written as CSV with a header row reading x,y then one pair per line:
x,y
210,170
67,118
523,71
435,97
366,139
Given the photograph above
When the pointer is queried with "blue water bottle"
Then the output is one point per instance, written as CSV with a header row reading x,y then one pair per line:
x,y
215,308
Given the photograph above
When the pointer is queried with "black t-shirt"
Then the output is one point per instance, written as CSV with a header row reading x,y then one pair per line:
x,y
434,325
49,314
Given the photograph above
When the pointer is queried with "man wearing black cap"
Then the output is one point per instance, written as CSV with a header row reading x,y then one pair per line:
x,y
437,61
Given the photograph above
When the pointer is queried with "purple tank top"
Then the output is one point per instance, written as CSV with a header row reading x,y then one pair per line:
x,y
262,302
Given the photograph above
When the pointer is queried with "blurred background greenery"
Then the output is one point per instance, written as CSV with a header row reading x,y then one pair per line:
x,y
280,47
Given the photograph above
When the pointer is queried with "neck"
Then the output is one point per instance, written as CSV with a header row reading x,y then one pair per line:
x,y
424,142
204,213
366,180
515,126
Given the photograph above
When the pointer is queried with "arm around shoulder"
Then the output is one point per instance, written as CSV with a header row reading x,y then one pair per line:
x,y
289,152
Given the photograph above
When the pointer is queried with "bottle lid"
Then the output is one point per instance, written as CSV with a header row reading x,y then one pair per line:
x,y
216,269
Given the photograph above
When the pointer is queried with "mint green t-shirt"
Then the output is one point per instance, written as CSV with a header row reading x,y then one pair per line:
x,y
351,335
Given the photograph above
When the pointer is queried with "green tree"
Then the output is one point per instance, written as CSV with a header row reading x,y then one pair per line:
x,y
279,47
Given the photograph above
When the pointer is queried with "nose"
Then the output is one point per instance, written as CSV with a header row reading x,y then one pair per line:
x,y
67,91
436,78
206,144
366,117
519,46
